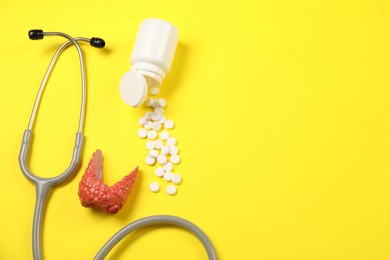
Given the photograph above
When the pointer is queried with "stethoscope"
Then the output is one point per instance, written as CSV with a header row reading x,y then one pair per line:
x,y
44,185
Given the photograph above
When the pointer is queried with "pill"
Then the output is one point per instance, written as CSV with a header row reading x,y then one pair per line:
x,y
164,149
153,153
159,171
158,144
142,121
142,133
156,116
148,115
148,125
162,102
154,186
171,189
156,126
168,176
150,160
152,134
154,91
149,102
162,120
162,159
176,178
155,103
169,124
168,166
175,159
173,149
150,145
159,110
164,135
170,141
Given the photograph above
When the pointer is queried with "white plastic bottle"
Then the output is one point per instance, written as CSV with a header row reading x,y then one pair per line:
x,y
151,60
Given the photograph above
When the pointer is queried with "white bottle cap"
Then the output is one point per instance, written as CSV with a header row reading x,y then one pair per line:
x,y
133,88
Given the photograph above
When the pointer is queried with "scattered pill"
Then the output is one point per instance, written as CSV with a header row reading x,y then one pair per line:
x,y
156,116
148,115
142,133
171,141
171,189
153,153
176,178
164,135
152,134
168,166
148,125
150,145
154,91
162,159
159,171
168,176
162,102
169,124
154,186
158,144
150,160
165,149
173,150
142,121
159,110
156,126
162,120
175,159
149,102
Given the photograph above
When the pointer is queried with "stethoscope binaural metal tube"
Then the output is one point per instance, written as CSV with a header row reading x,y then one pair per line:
x,y
44,185
50,68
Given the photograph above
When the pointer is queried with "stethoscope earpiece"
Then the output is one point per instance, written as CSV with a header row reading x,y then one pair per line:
x,y
35,34
97,42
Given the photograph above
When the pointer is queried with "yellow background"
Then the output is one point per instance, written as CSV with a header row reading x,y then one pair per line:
x,y
282,119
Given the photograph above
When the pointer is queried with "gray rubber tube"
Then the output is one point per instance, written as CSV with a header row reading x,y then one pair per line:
x,y
157,220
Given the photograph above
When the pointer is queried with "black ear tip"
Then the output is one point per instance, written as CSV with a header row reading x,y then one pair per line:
x,y
97,42
35,34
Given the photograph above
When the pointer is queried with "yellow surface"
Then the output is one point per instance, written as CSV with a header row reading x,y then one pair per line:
x,y
282,118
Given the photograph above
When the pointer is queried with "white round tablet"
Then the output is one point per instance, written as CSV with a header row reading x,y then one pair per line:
x,y
175,159
153,153
164,149
159,171
149,160
169,124
171,189
176,178
149,102
154,186
154,91
162,159
156,116
142,121
148,125
142,133
162,102
168,166
150,145
158,144
168,176
156,126
152,134
162,120
164,135
171,141
173,149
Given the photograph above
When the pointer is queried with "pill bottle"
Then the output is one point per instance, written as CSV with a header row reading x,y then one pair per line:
x,y
151,60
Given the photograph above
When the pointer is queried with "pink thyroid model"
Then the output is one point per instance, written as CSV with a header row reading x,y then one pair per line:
x,y
92,190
